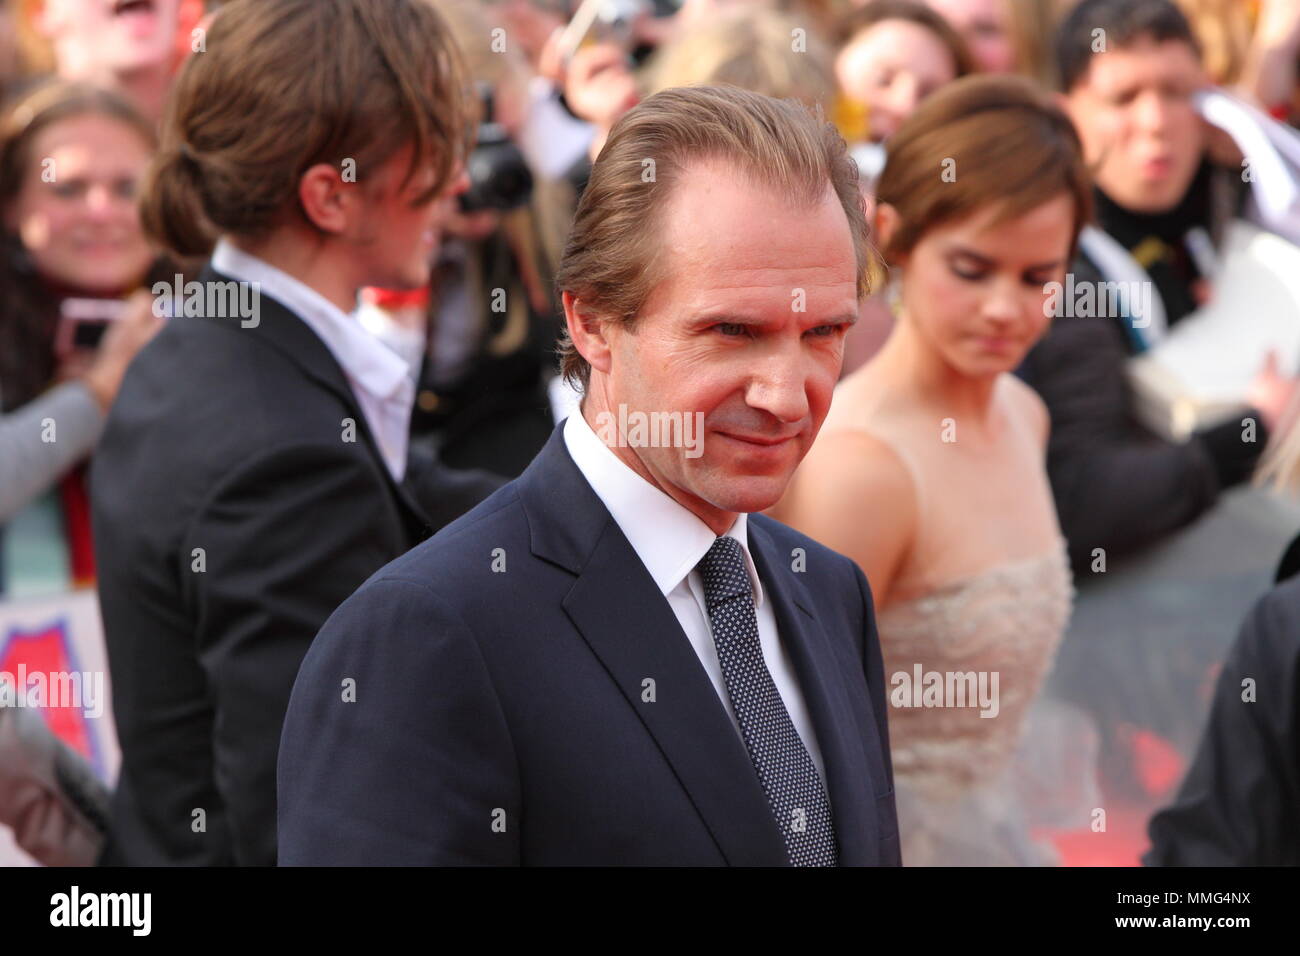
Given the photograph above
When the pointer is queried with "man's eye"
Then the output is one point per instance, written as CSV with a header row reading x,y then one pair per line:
x,y
823,331
730,328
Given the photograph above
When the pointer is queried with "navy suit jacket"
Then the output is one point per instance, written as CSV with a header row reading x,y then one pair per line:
x,y
487,699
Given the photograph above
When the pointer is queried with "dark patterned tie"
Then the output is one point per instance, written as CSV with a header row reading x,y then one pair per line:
x,y
785,769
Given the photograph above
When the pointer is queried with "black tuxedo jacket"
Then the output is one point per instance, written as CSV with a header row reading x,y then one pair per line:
x,y
487,699
232,515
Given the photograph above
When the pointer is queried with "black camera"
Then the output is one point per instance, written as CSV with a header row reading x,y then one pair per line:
x,y
499,176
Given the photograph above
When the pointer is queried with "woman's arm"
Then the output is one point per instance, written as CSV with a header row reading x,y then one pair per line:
x,y
42,440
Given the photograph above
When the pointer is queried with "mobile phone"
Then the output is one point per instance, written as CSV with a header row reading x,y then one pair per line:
x,y
83,322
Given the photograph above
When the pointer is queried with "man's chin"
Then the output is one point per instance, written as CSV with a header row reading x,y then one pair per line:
x,y
135,55
1153,197
417,277
748,494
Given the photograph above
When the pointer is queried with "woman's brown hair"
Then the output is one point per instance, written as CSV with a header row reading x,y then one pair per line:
x,y
27,308
979,141
283,85
46,105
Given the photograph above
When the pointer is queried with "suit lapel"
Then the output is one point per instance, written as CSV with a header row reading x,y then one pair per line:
x,y
280,328
632,630
847,775
617,608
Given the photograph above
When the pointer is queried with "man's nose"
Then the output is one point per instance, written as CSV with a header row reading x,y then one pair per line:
x,y
1152,112
99,201
778,388
904,95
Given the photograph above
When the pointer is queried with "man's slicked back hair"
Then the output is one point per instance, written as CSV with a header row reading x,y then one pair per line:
x,y
614,258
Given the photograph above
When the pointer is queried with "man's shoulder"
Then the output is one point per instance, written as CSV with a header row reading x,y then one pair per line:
x,y
1268,635
201,386
493,536
192,349
807,554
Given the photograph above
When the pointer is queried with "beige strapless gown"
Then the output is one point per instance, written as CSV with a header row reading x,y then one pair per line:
x,y
959,795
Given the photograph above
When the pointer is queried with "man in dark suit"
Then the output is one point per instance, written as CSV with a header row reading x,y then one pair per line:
x,y
1239,803
1158,199
225,536
613,660
255,470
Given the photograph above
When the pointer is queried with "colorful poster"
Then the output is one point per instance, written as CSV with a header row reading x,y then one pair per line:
x,y
52,653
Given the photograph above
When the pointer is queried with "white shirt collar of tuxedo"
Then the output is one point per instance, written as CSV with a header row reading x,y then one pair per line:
x,y
375,367
669,538
371,367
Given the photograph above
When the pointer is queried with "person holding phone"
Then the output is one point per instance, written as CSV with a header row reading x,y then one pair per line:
x,y
71,159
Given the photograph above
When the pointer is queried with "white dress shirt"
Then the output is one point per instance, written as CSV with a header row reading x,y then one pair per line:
x,y
670,541
379,378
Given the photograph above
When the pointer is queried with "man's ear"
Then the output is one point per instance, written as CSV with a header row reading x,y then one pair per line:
x,y
1072,104
587,332
326,199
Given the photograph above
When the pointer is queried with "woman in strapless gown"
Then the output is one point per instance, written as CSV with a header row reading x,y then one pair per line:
x,y
956,769
929,470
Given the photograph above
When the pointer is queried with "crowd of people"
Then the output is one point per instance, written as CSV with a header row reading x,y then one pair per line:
x,y
465,225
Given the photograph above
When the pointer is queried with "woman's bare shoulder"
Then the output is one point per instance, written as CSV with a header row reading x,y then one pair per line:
x,y
855,494
1027,406
848,465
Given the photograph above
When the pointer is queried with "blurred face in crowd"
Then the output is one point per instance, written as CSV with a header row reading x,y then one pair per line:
x,y
890,68
1133,110
93,37
76,211
985,25
400,230
747,327
974,289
